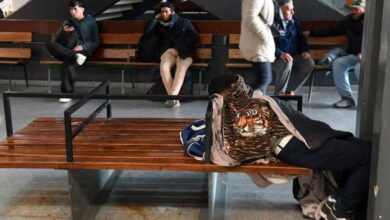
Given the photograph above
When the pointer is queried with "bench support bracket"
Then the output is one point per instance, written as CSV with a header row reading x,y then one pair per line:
x,y
88,190
217,195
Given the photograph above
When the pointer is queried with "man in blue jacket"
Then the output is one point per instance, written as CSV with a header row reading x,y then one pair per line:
x,y
76,40
176,46
293,63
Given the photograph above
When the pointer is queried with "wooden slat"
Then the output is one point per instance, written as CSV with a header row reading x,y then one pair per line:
x,y
126,39
327,41
203,53
35,148
16,37
109,53
318,54
234,39
239,65
15,53
235,54
205,39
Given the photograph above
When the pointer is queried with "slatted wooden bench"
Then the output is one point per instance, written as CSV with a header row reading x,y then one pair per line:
x,y
13,51
90,147
119,50
319,46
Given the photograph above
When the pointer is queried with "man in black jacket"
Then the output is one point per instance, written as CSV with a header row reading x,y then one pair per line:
x,y
309,143
176,46
76,40
352,27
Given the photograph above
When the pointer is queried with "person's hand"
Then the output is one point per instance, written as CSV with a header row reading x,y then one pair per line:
x,y
286,57
157,16
306,33
78,48
68,28
306,55
360,57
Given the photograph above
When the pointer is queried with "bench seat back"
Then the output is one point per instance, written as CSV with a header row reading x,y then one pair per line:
x,y
12,46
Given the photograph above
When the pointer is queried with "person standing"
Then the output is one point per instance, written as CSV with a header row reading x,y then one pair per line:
x,y
75,41
293,64
177,44
256,41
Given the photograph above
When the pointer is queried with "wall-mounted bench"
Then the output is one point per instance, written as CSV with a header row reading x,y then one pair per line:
x,y
13,52
119,51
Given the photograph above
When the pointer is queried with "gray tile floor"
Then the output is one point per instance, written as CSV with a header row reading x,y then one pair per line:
x,y
42,194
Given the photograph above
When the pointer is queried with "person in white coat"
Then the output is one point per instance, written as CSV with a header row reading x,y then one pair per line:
x,y
256,41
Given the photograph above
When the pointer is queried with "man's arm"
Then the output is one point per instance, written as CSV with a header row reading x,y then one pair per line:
x,y
94,43
302,46
335,30
150,25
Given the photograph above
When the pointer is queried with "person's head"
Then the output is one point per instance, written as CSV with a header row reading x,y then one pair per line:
x,y
166,11
221,83
76,9
287,8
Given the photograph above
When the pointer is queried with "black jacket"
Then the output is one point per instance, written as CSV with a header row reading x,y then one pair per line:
x,y
353,29
180,34
315,132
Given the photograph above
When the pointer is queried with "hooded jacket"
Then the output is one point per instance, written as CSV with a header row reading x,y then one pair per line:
x,y
179,33
87,30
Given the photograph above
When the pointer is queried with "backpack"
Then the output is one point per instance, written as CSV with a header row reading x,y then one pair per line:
x,y
159,89
148,48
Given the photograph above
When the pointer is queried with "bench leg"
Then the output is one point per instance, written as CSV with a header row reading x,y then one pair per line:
x,y
25,74
123,82
88,190
11,69
200,81
311,86
217,195
49,80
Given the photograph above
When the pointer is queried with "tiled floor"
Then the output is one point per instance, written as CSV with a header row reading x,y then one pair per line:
x,y
42,194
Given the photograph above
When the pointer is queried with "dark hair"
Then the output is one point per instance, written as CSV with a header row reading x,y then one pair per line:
x,y
167,5
221,83
74,3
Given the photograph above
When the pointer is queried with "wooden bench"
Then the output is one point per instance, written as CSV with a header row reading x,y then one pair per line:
x,y
12,51
319,46
92,147
119,50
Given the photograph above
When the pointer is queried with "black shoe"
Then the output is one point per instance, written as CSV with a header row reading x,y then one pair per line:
x,y
345,103
329,212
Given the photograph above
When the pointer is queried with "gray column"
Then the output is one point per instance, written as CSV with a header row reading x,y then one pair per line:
x,y
373,117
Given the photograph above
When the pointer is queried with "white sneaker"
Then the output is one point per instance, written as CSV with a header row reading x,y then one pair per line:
x,y
172,103
64,100
80,59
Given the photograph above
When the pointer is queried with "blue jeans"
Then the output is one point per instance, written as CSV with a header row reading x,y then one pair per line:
x,y
348,155
341,68
263,75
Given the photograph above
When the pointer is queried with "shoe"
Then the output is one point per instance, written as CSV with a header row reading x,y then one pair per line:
x,y
80,59
345,103
289,93
172,103
329,212
64,100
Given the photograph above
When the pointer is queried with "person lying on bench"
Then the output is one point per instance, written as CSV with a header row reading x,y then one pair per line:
x,y
76,40
177,40
298,140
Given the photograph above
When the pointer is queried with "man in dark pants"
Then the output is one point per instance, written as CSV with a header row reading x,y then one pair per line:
x,y
76,40
293,64
308,143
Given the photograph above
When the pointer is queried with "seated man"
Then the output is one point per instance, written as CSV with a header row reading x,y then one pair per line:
x,y
76,40
292,52
296,139
177,41
352,28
